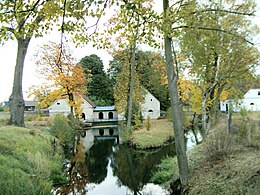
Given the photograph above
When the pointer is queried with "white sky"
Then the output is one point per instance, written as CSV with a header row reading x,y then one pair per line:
x,y
8,59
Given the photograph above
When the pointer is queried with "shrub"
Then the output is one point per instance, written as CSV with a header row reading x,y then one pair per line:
x,y
218,145
63,131
125,133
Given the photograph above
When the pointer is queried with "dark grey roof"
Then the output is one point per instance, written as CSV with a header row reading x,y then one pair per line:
x,y
30,103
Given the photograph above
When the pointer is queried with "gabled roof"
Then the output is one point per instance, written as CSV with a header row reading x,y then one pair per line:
x,y
89,101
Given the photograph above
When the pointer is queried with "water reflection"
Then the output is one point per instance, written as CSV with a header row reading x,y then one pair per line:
x,y
102,166
77,173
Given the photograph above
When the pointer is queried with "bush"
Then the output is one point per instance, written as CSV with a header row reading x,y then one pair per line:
x,y
63,131
218,145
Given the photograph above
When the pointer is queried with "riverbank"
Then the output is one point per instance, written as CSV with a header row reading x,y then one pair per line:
x,y
156,135
223,163
29,163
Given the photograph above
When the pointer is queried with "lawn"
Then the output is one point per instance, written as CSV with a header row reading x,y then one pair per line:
x,y
160,132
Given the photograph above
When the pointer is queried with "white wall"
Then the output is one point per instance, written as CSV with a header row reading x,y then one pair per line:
x,y
150,103
105,114
61,106
87,109
251,100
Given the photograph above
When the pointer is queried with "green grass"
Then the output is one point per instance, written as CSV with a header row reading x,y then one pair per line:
x,y
27,162
161,131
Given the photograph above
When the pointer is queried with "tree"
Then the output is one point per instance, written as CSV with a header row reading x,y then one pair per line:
x,y
130,24
100,87
175,101
23,20
224,54
122,80
65,76
150,69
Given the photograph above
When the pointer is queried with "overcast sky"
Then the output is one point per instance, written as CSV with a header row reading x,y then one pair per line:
x,y
8,59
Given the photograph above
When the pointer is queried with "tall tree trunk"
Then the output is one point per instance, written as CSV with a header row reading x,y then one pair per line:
x,y
132,78
16,98
175,104
71,100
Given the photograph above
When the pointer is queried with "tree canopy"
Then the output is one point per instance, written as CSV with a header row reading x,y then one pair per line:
x,y
99,87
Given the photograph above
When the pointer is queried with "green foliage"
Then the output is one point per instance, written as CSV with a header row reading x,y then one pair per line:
x,y
148,124
29,165
63,131
150,70
125,133
167,171
1,107
137,118
99,87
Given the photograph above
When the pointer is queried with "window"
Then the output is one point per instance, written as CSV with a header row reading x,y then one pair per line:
x,y
83,116
258,92
151,100
100,115
251,104
110,115
150,111
58,103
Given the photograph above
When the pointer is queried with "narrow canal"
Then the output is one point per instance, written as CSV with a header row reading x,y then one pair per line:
x,y
102,166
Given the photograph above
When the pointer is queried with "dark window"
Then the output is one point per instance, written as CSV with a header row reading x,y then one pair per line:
x,y
258,92
252,104
150,110
111,131
110,115
151,100
101,132
58,103
101,115
83,116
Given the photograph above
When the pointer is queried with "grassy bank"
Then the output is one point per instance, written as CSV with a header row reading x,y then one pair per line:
x,y
223,164
28,162
158,133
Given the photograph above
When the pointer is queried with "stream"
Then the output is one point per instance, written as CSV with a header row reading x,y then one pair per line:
x,y
103,166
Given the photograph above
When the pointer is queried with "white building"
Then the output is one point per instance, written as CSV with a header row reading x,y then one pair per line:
x,y
150,107
90,112
251,102
61,106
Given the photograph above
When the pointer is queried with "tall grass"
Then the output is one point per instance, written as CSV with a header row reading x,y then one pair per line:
x,y
28,163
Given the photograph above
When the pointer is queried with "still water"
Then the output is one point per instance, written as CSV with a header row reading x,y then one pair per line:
x,y
102,166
